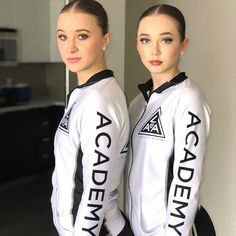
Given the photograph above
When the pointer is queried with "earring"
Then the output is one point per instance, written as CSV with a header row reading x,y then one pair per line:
x,y
182,53
104,48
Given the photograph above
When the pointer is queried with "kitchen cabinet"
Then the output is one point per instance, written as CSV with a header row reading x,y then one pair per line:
x,y
27,141
36,24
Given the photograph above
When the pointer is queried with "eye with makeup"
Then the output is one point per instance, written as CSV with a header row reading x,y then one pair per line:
x,y
82,36
167,40
62,37
144,40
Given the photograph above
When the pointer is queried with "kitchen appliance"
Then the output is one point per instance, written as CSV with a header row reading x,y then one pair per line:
x,y
8,47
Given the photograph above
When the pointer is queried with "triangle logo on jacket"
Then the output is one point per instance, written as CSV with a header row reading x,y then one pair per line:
x,y
64,124
153,126
125,148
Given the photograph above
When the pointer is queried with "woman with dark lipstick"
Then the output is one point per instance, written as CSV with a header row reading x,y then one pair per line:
x,y
170,122
90,142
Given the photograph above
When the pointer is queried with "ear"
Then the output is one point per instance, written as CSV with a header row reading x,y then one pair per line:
x,y
106,40
185,44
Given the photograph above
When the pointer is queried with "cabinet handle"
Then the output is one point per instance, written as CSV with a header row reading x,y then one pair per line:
x,y
45,156
44,123
46,139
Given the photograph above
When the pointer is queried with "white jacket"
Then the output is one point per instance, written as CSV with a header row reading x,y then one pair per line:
x,y
170,126
90,150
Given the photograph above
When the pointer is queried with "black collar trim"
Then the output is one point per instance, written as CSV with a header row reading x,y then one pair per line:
x,y
97,77
146,87
93,79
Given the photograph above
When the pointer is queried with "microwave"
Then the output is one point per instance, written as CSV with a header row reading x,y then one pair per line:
x,y
8,47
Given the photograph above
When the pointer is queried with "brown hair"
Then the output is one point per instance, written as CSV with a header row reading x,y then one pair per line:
x,y
171,11
91,7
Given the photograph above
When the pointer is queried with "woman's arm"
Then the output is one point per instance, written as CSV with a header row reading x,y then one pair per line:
x,y
190,131
100,133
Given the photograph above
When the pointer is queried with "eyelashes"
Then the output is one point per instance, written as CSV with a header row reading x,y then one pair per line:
x,y
144,40
167,41
81,37
62,37
163,41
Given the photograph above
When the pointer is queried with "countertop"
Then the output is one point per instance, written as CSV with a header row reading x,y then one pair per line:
x,y
35,103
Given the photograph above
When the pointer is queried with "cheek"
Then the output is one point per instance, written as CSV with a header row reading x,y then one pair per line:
x,y
61,48
174,53
92,49
142,52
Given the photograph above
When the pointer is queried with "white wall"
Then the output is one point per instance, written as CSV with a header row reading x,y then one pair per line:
x,y
210,61
6,13
116,51
55,8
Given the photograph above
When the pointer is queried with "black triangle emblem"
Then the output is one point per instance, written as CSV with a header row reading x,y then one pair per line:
x,y
125,148
64,124
153,126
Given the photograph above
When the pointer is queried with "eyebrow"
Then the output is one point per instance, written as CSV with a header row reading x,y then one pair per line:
x,y
78,30
166,33
161,34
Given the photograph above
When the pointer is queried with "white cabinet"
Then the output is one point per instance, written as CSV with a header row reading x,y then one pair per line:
x,y
36,24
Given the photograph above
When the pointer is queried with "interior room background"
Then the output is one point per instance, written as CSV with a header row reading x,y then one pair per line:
x,y
209,61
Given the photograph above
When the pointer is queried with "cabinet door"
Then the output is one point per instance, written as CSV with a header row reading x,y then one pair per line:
x,y
43,143
23,142
26,141
6,147
45,125
16,145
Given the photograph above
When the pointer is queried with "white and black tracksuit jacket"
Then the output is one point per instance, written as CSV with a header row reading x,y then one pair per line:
x,y
169,129
90,149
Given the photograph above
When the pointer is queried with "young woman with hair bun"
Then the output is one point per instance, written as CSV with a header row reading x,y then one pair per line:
x,y
91,140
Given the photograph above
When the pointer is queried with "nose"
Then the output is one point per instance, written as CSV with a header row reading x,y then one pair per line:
x,y
72,46
155,49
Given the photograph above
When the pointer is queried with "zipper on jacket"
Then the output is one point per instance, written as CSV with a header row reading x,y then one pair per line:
x,y
131,163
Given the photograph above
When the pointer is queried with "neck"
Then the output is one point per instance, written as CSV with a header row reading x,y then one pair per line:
x,y
84,76
159,79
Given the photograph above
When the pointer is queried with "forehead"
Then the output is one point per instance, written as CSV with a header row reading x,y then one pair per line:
x,y
77,20
157,24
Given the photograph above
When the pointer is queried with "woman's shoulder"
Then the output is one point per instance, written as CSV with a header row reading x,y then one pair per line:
x,y
137,103
108,87
189,94
189,90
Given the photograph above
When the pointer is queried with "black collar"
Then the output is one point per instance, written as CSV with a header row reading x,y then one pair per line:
x,y
94,79
146,87
97,77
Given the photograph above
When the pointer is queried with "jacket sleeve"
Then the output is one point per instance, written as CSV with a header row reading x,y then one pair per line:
x,y
99,134
191,128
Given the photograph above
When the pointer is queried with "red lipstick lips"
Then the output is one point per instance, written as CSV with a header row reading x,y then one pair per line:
x,y
73,59
155,62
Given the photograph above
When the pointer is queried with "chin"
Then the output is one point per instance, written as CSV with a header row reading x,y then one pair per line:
x,y
155,71
73,69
